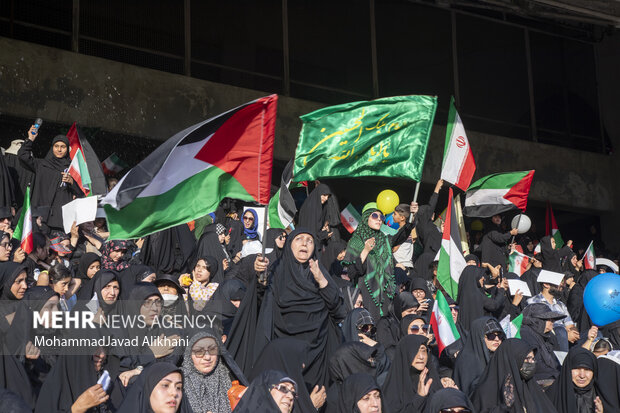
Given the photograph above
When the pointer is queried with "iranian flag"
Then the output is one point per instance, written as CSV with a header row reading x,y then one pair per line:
x,y
229,155
498,193
451,261
78,169
589,259
551,227
443,324
517,262
350,218
23,231
458,165
512,329
282,207
113,164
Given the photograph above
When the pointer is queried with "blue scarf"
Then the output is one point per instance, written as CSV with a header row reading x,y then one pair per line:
x,y
251,233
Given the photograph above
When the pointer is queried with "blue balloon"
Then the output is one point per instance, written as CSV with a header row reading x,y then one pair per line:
x,y
389,221
602,299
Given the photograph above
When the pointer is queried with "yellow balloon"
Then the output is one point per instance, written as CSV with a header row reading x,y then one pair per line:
x,y
387,200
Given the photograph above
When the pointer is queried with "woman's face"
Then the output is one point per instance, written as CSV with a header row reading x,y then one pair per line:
x,y
205,354
167,287
110,292
493,340
62,286
553,243
99,359
281,240
5,249
548,326
375,220
60,149
221,238
359,302
581,376
419,295
117,254
201,273
420,359
324,198
248,220
19,286
370,403
302,247
284,399
151,308
417,327
93,268
166,396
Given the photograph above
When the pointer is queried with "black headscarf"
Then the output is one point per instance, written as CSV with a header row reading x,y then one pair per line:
x,y
220,303
170,250
447,399
287,355
132,275
355,318
533,331
609,369
350,295
85,261
58,164
357,357
8,274
353,389
313,214
407,320
566,396
209,246
94,286
139,394
470,296
401,385
474,357
550,257
294,306
501,384
257,397
330,255
270,242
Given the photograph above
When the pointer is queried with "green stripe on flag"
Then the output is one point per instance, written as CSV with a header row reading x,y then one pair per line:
x,y
444,308
498,181
17,234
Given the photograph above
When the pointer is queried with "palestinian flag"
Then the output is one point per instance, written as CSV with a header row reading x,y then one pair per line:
x,y
589,259
23,231
443,325
512,329
551,227
229,155
78,169
113,164
282,207
458,165
498,193
451,260
350,218
517,262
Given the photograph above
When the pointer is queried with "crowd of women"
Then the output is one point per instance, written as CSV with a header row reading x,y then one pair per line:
x,y
304,321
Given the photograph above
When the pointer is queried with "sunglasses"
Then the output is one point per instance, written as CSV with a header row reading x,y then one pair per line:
x,y
454,307
282,237
248,218
6,245
283,389
157,303
454,411
424,328
492,336
212,351
377,215
367,329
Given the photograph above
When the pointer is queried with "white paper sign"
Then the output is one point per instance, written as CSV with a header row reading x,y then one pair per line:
x,y
514,285
550,277
79,210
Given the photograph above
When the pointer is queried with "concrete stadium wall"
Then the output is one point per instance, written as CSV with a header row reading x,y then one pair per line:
x,y
61,86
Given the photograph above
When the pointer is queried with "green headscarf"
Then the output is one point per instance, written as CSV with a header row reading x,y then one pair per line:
x,y
379,278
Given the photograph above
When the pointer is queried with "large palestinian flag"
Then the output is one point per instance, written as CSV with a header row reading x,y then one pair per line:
x,y
498,193
230,155
451,260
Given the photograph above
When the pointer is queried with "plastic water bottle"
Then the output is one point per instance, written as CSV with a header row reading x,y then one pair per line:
x,y
37,125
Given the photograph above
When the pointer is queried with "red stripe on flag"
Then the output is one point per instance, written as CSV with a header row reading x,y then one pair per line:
x,y
519,192
467,172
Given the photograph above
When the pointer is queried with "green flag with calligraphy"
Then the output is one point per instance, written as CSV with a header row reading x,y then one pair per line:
x,y
383,137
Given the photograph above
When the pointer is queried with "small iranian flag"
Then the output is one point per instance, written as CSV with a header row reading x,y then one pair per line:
x,y
498,193
443,323
512,329
552,227
79,172
458,165
451,261
589,259
23,232
113,165
517,262
350,218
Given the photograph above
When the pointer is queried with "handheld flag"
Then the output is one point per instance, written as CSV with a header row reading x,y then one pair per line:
x,y
444,328
451,260
551,227
282,207
78,169
498,193
229,155
589,258
350,218
384,137
113,164
512,329
23,231
458,165
517,262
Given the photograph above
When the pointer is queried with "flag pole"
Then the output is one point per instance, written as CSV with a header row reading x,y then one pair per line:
x,y
586,252
265,215
518,222
415,198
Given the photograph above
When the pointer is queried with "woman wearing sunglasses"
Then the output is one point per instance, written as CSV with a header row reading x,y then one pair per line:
x,y
485,336
270,392
370,264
